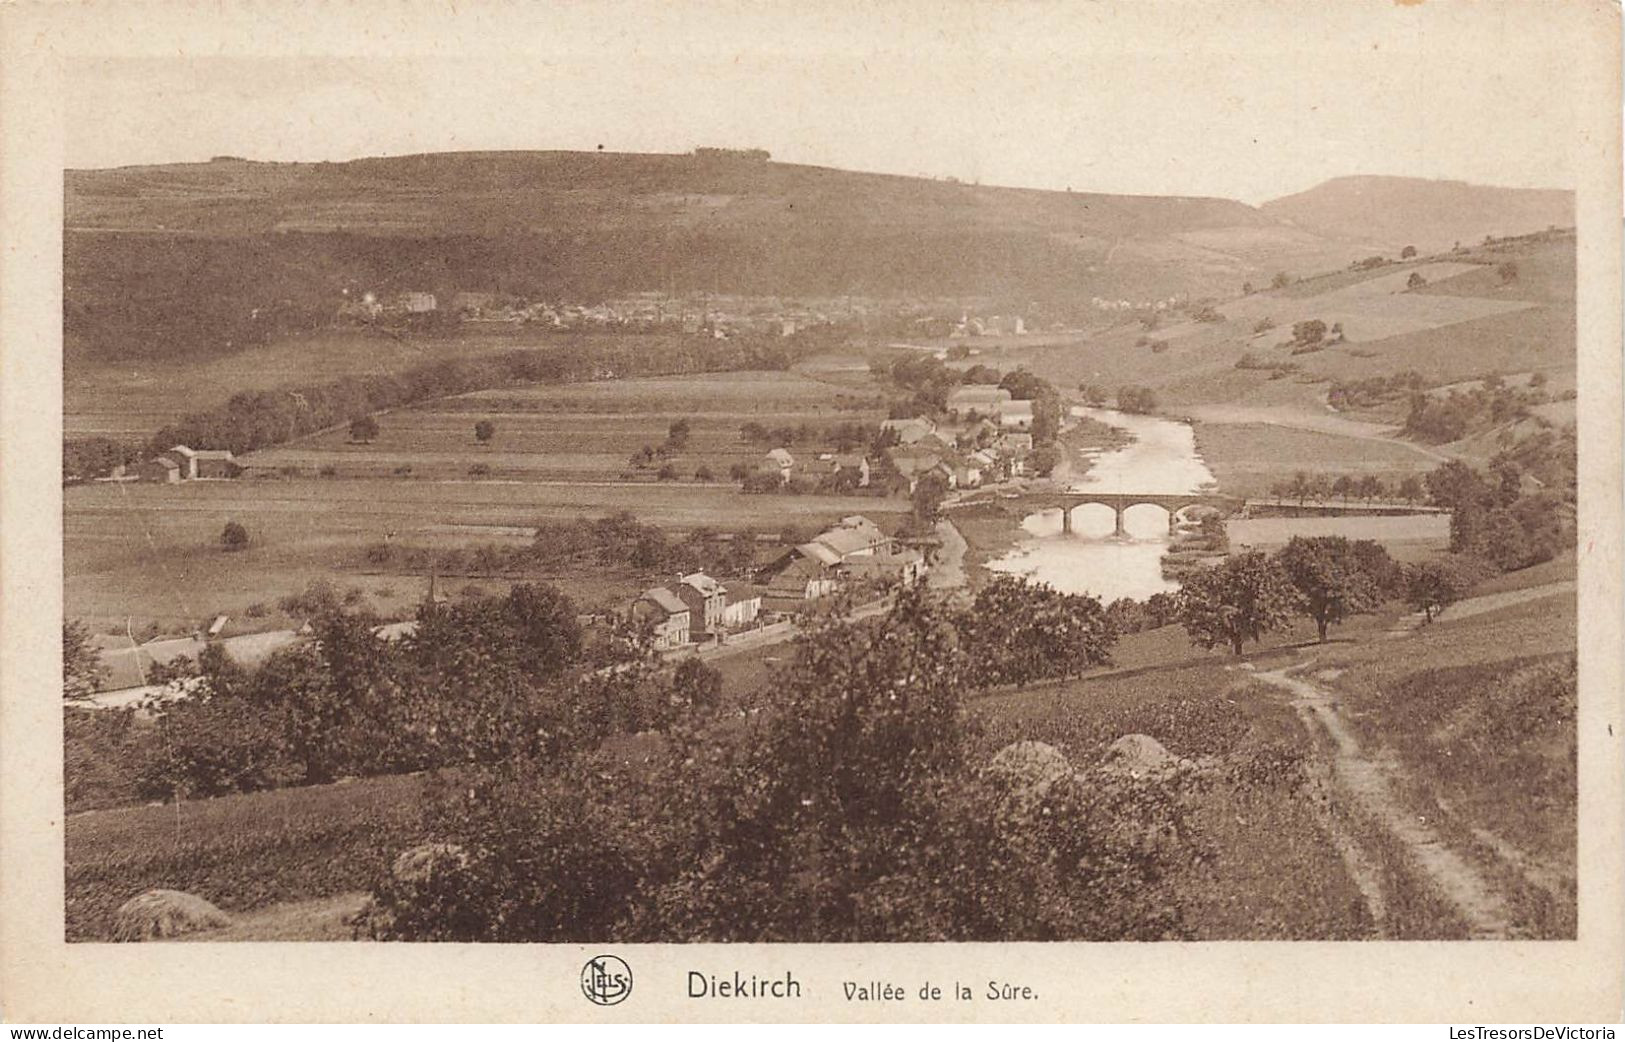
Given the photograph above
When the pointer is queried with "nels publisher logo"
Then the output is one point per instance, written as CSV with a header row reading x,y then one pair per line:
x,y
606,980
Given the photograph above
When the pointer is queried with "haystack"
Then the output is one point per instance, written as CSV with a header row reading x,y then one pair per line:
x,y
1029,766
1138,755
165,913
418,863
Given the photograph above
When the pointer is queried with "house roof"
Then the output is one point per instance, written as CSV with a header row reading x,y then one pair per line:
x,y
737,592
976,394
184,451
211,453
1019,407
165,461
664,599
704,584
908,464
817,551
844,541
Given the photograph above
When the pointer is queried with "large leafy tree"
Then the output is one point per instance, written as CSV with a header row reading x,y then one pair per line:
x,y
1331,581
1432,586
1245,597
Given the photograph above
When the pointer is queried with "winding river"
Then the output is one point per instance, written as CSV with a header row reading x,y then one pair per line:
x,y
1161,459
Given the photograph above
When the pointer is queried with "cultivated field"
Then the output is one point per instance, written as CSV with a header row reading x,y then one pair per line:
x,y
1406,538
133,399
1247,459
588,431
152,552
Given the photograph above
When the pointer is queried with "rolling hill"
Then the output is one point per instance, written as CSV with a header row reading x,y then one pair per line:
x,y
205,258
1389,212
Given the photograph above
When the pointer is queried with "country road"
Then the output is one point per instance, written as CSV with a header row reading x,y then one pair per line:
x,y
1370,784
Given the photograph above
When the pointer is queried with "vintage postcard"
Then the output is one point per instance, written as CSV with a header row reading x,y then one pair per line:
x,y
944,511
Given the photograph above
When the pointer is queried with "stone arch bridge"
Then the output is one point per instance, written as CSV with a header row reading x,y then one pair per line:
x,y
1174,503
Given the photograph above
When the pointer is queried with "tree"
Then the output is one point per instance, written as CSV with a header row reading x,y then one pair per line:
x,y
1508,271
1407,253
1343,487
677,434
1309,331
1416,281
82,672
1281,280
1247,289
484,430
234,536
1301,488
1136,399
703,473
1370,487
1239,600
1331,583
363,429
1410,489
929,492
1432,586
1044,459
1093,394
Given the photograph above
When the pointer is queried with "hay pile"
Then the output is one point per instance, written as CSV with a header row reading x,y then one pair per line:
x,y
419,863
1029,767
1138,755
165,913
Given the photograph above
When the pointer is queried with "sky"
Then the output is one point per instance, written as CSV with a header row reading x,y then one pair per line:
x,y
1239,99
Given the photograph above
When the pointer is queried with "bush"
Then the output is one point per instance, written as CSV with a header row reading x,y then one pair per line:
x,y
848,811
479,470
703,473
234,536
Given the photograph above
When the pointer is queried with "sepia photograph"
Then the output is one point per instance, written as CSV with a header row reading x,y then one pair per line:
x,y
966,473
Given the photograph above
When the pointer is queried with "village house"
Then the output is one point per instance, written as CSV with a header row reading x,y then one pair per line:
x,y
414,302
742,603
1017,414
902,565
779,461
801,576
911,430
665,614
705,598
911,466
981,399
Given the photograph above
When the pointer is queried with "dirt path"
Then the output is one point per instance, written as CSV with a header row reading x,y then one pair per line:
x,y
1466,609
1370,784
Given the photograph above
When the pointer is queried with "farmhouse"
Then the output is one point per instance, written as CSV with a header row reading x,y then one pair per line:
x,y
665,614
705,598
162,468
186,464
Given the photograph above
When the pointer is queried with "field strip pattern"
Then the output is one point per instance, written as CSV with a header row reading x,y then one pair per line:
x,y
1368,781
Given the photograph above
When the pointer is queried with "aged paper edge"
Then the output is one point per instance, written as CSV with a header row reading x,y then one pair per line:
x,y
44,979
